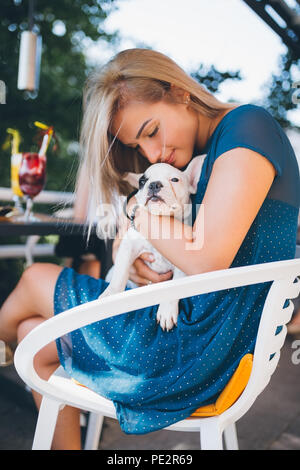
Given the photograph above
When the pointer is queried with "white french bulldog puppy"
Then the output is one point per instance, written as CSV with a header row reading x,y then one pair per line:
x,y
163,190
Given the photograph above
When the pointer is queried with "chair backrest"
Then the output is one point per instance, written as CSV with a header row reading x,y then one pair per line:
x,y
277,312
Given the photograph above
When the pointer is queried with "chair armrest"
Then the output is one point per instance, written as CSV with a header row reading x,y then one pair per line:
x,y
130,300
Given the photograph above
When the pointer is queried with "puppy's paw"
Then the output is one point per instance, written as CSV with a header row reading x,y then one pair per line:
x,y
167,315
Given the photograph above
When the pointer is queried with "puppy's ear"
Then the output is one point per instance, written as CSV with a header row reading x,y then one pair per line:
x,y
193,172
133,179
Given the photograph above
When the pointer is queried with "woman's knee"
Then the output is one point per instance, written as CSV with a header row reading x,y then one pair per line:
x,y
26,326
38,285
48,354
38,271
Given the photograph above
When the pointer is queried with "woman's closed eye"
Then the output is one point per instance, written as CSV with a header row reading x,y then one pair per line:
x,y
153,132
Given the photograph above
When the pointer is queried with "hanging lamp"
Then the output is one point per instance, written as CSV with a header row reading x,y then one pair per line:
x,y
30,55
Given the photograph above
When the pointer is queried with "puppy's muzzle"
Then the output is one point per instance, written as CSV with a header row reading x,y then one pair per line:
x,y
153,190
155,187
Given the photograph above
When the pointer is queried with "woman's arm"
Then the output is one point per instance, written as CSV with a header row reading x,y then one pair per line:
x,y
238,185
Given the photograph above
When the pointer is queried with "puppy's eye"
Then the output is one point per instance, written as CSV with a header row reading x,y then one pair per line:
x,y
174,180
142,181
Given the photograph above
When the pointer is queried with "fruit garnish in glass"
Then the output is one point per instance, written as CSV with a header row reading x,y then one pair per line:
x,y
32,178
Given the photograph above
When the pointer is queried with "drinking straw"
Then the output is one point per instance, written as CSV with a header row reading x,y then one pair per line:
x,y
16,138
47,136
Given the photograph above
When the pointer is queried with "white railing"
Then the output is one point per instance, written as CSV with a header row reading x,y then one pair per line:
x,y
45,197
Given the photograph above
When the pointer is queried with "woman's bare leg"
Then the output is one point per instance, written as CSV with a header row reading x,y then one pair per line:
x,y
67,432
33,296
30,303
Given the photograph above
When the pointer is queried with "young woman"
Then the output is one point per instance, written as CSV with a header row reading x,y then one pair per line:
x,y
140,109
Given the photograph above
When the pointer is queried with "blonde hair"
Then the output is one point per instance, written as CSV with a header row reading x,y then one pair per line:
x,y
135,74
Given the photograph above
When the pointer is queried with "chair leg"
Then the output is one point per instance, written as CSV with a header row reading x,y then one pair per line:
x,y
210,435
46,423
93,432
230,437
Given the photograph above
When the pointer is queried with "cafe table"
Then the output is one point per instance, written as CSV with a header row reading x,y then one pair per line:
x,y
57,223
46,225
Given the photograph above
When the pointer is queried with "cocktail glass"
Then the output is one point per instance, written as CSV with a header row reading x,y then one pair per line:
x,y
16,160
32,178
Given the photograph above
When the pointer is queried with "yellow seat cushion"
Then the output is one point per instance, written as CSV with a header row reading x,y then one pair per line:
x,y
231,392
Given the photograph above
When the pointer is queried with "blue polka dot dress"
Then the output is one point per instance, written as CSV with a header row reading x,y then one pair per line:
x,y
154,377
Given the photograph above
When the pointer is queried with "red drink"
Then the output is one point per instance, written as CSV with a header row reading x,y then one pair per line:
x,y
32,174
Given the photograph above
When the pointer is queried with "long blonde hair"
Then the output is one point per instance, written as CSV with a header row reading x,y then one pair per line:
x,y
135,74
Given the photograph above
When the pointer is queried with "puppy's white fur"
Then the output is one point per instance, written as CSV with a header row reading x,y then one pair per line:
x,y
172,198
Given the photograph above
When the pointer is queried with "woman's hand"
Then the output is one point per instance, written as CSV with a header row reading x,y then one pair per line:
x,y
142,275
139,272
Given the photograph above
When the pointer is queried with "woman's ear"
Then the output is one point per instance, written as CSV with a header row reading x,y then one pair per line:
x,y
180,95
133,179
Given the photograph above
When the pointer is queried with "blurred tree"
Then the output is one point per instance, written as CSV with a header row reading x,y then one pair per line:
x,y
279,90
211,78
67,27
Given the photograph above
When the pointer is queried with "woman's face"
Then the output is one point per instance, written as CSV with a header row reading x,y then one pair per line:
x,y
161,132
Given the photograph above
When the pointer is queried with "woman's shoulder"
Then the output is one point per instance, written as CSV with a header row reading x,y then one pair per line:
x,y
244,122
249,112
253,127
249,123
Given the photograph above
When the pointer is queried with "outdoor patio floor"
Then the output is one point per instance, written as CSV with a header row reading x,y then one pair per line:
x,y
273,423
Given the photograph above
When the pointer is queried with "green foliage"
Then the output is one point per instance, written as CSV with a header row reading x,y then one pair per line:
x,y
67,28
211,78
279,90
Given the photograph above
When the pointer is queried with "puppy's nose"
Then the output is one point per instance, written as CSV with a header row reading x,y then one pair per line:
x,y
155,186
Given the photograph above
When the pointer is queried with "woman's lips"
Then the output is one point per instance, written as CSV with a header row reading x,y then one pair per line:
x,y
171,158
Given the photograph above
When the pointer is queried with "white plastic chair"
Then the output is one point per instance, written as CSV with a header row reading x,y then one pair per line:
x,y
60,390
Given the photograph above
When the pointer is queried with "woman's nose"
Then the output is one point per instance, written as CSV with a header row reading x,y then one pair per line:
x,y
152,153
